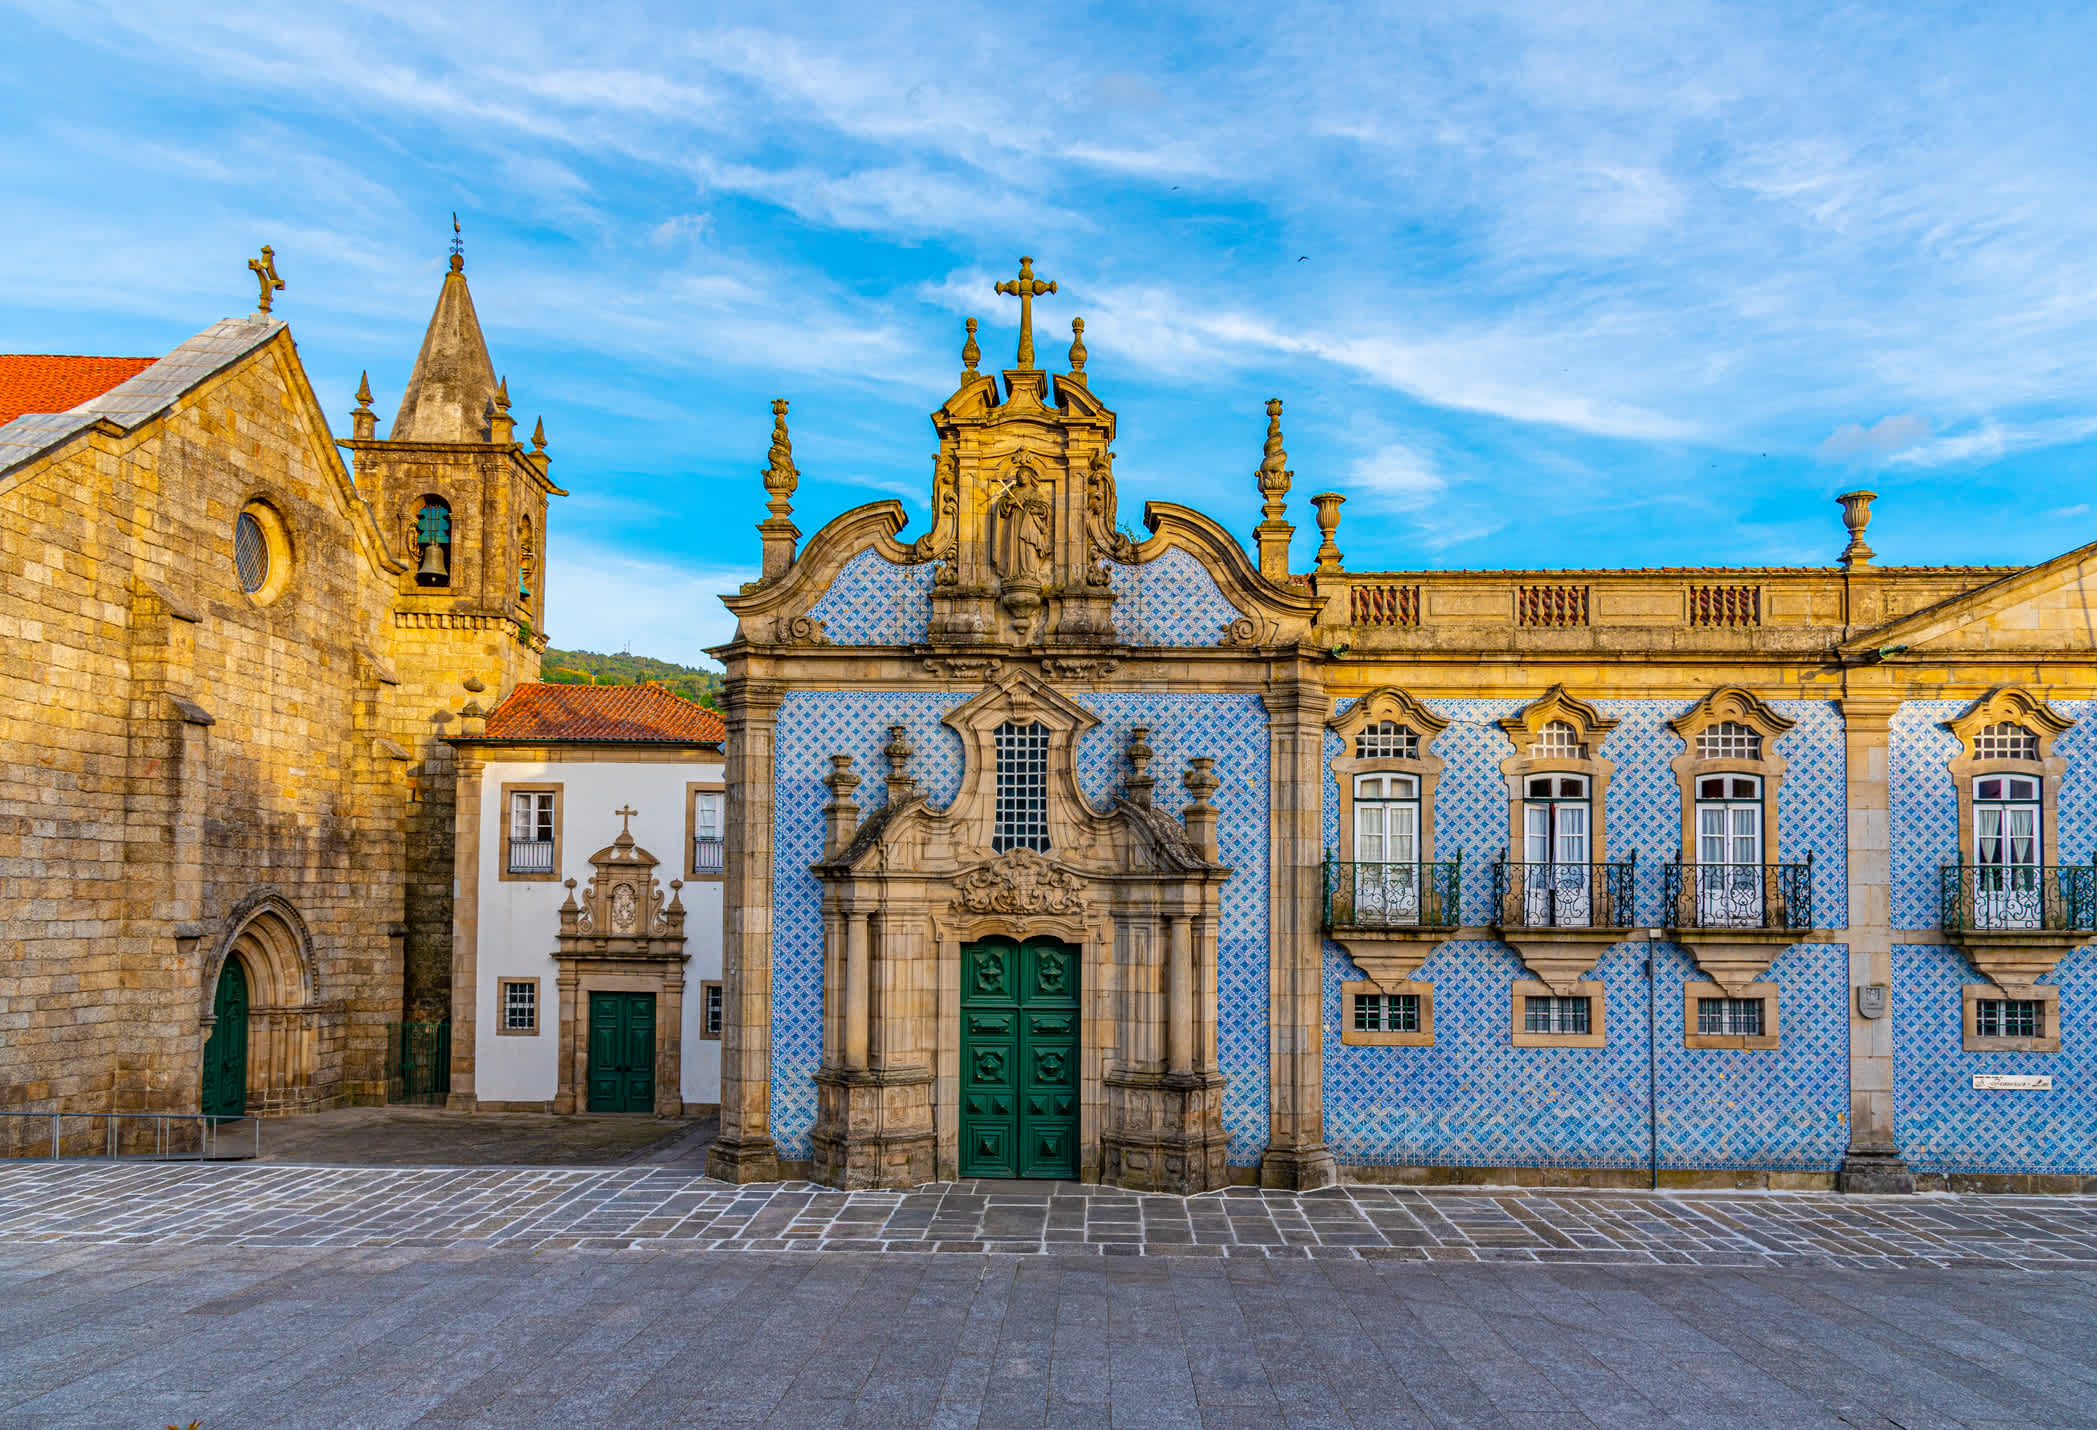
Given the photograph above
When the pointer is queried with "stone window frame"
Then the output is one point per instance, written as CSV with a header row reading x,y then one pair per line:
x,y
1352,1037
502,1008
502,848
1011,697
1387,703
1768,1040
2014,705
1740,707
692,790
1597,1034
710,988
1521,729
1973,994
278,544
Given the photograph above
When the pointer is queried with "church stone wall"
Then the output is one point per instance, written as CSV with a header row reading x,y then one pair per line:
x,y
134,835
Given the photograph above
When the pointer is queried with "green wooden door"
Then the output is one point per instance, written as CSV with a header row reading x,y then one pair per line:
x,y
622,1052
1019,1059
226,1050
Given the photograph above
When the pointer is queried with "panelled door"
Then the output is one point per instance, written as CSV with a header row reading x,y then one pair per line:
x,y
622,1052
1019,1059
226,1050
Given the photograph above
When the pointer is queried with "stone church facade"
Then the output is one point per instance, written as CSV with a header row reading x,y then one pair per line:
x,y
230,665
1057,852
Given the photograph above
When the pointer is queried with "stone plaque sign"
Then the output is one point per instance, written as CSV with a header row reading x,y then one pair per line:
x,y
1871,1000
2013,1082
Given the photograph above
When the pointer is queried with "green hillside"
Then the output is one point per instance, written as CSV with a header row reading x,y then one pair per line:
x,y
587,667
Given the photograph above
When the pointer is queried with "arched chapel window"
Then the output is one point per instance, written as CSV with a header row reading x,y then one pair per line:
x,y
1022,787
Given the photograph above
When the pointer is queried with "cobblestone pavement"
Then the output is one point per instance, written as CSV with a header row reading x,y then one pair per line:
x,y
631,1207
118,1337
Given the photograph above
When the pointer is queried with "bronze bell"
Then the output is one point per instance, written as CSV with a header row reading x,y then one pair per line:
x,y
433,572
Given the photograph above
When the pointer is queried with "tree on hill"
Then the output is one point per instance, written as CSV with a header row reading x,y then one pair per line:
x,y
587,667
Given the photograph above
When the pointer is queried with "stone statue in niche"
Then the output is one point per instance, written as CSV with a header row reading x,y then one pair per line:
x,y
1025,546
624,909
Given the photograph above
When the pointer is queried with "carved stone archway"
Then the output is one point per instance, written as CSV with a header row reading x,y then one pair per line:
x,y
287,1022
1135,890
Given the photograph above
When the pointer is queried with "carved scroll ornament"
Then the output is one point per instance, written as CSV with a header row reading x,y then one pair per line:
x,y
1020,882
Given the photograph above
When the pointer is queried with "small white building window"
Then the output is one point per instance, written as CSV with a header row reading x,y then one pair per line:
x,y
708,847
531,832
1563,1016
520,1005
1022,787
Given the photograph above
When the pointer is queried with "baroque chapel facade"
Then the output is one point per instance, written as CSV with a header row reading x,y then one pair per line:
x,y
1053,852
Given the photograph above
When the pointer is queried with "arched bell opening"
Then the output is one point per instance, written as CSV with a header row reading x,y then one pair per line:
x,y
432,541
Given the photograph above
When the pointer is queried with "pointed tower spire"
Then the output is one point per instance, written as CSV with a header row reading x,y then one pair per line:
x,y
1273,533
450,395
501,426
781,477
364,423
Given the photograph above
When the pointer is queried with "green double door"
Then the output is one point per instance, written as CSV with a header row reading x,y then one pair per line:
x,y
622,1052
1019,1059
226,1050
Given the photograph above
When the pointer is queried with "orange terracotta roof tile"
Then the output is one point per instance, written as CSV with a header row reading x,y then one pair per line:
x,y
53,382
622,714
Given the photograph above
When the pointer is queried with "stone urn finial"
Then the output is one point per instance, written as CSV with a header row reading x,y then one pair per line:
x,y
1328,504
1856,515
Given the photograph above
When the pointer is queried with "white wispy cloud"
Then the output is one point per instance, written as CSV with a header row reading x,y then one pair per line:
x,y
1990,441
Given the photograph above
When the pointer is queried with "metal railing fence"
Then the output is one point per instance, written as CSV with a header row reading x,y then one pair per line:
x,y
1554,895
2058,897
1423,894
120,1136
1750,896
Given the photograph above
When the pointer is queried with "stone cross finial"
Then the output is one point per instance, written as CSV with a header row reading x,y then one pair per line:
x,y
1077,351
265,271
1141,781
626,815
1026,288
1272,534
1328,504
1856,515
780,477
970,355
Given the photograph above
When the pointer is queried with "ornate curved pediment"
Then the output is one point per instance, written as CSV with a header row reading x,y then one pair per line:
x,y
1388,703
622,912
1730,703
2010,705
1556,704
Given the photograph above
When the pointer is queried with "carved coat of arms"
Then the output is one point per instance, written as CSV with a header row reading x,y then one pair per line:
x,y
1020,882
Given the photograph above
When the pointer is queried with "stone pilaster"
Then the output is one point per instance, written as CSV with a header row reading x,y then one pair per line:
x,y
1296,1153
744,1151
465,928
1873,1163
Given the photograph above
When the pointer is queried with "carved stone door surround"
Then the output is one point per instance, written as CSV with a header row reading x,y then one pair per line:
x,y
1133,889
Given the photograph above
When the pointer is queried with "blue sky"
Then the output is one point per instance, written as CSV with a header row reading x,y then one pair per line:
x,y
1542,284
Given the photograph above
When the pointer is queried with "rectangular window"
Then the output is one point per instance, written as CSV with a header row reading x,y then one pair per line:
x,y
1564,1016
1729,1017
1022,787
2009,1018
1386,1013
531,832
711,1005
520,1005
709,814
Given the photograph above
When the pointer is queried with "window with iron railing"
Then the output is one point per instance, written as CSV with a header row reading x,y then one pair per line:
x,y
709,848
531,832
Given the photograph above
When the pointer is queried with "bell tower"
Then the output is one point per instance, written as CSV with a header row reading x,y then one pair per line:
x,y
463,502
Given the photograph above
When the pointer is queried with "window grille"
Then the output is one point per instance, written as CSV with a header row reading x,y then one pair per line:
x,y
1022,787
2008,1018
1555,1015
1729,740
250,552
520,1007
2005,742
1729,1017
1387,740
1558,740
711,1009
1387,1012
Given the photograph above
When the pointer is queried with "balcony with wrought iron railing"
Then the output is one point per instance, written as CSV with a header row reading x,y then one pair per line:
x,y
531,856
1569,896
2017,897
709,854
1737,896
1426,894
